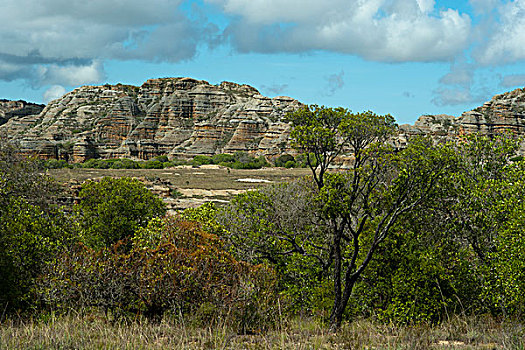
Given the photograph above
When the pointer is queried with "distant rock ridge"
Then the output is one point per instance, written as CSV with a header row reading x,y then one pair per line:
x,y
184,117
178,117
503,113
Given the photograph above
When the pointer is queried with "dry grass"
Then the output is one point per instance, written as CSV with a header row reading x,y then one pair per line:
x,y
196,186
208,178
88,332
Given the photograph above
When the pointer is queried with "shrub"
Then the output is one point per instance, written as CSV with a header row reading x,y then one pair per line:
x,y
96,164
201,160
289,164
112,209
56,164
29,238
173,266
162,159
125,163
283,159
152,164
223,158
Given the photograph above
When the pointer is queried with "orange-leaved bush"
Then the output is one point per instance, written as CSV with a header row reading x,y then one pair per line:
x,y
173,266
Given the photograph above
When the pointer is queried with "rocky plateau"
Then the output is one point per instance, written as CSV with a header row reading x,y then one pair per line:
x,y
183,117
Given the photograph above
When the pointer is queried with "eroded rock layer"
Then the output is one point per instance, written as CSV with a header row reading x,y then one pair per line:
x,y
13,109
180,117
183,117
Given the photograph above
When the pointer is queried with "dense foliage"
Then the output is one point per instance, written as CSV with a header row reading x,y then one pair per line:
x,y
174,266
114,208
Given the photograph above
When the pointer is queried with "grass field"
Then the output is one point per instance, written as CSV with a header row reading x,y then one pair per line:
x,y
91,332
196,185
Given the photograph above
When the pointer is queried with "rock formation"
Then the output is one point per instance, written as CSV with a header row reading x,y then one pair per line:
x,y
183,117
11,109
503,113
179,117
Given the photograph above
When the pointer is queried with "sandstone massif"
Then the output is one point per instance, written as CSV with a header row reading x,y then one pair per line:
x,y
178,117
184,117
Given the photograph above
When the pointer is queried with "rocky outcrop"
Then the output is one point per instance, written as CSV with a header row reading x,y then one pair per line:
x,y
503,113
183,117
179,117
11,109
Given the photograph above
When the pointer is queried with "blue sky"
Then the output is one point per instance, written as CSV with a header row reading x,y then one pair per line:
x,y
403,57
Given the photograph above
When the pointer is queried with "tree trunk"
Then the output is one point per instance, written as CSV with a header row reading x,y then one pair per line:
x,y
336,317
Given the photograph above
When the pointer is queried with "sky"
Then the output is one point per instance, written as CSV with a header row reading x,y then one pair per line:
x,y
402,57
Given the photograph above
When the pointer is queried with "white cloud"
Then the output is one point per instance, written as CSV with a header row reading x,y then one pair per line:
x,y
54,92
460,74
484,6
61,42
381,30
506,40
451,97
445,96
71,75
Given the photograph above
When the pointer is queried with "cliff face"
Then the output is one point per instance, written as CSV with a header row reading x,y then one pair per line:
x,y
503,113
175,116
11,109
183,117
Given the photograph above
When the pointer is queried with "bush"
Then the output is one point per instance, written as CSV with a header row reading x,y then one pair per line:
x,y
223,158
162,159
152,164
125,163
283,159
201,160
96,164
245,161
112,209
29,239
412,280
56,164
289,164
173,266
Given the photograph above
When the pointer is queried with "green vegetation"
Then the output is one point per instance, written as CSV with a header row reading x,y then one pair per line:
x,y
422,245
113,209
239,160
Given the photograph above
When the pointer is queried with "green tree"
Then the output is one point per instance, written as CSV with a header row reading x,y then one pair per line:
x,y
30,238
112,209
32,230
476,187
347,215
281,225
366,202
323,134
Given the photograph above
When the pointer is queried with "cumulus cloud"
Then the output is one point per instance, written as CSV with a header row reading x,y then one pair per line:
x,y
335,82
506,40
484,6
452,96
54,92
71,75
513,80
380,30
64,42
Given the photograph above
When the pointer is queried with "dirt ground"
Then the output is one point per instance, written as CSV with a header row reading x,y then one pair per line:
x,y
194,186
